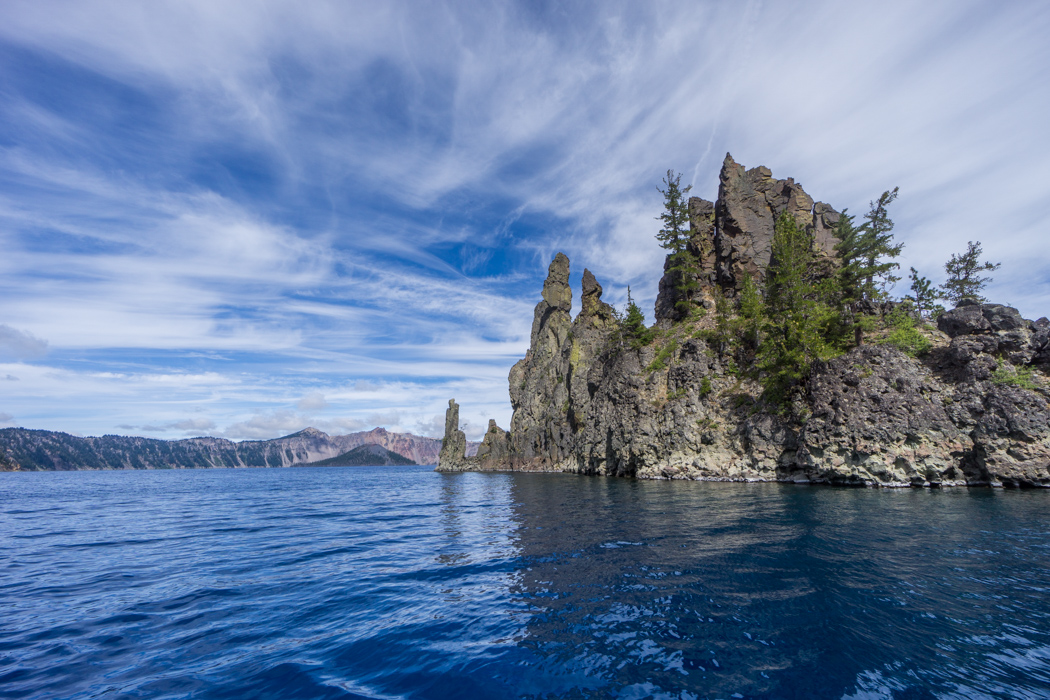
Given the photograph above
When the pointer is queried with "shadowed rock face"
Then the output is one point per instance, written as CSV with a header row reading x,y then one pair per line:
x,y
454,445
586,402
749,204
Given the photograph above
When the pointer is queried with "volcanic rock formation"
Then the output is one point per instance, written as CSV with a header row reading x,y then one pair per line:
x,y
584,401
733,236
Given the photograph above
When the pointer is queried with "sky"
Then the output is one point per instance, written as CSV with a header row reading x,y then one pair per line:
x,y
240,219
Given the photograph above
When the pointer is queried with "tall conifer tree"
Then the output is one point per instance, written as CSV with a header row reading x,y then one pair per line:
x,y
674,237
867,253
801,326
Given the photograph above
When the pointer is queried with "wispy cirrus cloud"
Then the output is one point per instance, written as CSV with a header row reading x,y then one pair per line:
x,y
339,212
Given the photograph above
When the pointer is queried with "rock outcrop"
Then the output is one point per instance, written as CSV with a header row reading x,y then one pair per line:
x,y
733,236
493,454
974,411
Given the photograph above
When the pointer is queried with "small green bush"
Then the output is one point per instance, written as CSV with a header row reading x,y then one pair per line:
x,y
708,335
740,400
663,357
705,387
1015,376
905,336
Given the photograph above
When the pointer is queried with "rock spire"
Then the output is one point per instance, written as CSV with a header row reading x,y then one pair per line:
x,y
972,412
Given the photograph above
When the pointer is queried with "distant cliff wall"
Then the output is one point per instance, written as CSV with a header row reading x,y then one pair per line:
x,y
44,450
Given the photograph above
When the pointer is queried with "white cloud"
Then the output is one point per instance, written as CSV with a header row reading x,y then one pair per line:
x,y
20,345
473,431
312,402
194,425
431,427
393,418
420,165
266,426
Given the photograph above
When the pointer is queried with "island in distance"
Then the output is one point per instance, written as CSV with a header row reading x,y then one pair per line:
x,y
369,455
44,450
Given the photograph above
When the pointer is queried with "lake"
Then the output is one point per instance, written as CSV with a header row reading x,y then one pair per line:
x,y
398,582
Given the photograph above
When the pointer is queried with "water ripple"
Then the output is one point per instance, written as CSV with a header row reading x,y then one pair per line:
x,y
403,583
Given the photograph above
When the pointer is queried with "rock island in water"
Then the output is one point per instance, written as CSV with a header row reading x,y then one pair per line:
x,y
686,405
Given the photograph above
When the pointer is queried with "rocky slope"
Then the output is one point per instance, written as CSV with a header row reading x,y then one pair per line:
x,y
974,411
37,450
362,456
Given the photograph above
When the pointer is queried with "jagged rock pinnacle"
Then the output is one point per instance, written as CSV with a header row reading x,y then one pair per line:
x,y
556,290
591,297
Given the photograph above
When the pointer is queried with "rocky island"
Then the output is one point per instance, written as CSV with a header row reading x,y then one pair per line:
x,y
963,402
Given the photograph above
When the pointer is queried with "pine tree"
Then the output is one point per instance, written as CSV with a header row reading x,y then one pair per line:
x,y
923,295
878,248
866,252
963,281
632,325
752,312
674,237
801,326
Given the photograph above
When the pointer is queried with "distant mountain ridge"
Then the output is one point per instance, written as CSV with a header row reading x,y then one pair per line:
x,y
22,449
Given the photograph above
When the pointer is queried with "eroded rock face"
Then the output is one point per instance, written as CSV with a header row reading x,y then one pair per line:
x,y
585,401
493,452
538,388
982,332
733,236
749,203
453,455
495,447
879,417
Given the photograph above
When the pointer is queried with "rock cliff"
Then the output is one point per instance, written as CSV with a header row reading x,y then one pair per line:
x,y
732,236
973,411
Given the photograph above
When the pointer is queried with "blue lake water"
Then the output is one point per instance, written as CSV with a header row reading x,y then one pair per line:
x,y
400,582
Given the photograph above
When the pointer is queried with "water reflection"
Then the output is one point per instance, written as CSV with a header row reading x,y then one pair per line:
x,y
399,582
762,590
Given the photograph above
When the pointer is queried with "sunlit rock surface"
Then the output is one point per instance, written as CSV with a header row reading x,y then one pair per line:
x,y
586,402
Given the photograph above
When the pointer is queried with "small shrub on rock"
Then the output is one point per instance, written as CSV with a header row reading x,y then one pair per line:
x,y
1015,376
905,336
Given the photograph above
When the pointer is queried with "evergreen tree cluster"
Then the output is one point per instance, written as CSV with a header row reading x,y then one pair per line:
x,y
803,314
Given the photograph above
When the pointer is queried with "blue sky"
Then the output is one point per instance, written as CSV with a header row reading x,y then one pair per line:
x,y
240,219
